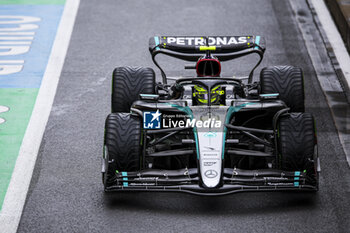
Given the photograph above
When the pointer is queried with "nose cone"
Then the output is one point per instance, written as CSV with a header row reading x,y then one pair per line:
x,y
211,178
210,158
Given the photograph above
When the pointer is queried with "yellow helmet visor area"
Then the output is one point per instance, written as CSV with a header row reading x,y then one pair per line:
x,y
201,94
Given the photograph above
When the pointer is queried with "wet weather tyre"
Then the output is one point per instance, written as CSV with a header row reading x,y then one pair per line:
x,y
122,147
297,143
288,81
128,83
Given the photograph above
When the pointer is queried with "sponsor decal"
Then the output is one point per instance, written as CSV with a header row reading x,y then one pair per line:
x,y
201,41
147,178
209,163
210,135
207,154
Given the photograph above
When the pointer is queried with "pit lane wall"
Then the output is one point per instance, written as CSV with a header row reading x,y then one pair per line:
x,y
340,10
27,32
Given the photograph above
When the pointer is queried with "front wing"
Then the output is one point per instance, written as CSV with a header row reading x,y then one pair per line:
x,y
233,180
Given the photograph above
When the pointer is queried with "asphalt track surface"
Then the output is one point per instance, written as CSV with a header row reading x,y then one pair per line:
x,y
66,193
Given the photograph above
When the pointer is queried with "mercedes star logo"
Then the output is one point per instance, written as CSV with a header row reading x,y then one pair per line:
x,y
210,173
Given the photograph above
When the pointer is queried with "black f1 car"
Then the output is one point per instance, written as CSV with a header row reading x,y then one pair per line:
x,y
207,134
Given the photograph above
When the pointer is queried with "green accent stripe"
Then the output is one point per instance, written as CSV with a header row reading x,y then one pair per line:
x,y
124,174
149,95
257,41
125,184
273,94
156,41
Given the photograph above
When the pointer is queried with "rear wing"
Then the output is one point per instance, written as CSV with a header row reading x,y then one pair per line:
x,y
197,44
191,48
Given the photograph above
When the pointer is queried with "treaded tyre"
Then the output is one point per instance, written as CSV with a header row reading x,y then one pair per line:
x,y
122,147
288,81
297,143
128,83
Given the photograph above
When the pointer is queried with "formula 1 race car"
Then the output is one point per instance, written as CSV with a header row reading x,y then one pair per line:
x,y
207,134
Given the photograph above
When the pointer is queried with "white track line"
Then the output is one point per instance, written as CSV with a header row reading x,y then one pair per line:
x,y
334,37
15,198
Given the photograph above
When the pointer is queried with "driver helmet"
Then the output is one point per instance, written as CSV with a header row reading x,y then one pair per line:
x,y
201,96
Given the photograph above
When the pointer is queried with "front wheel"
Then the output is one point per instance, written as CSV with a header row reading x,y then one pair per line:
x,y
297,144
122,148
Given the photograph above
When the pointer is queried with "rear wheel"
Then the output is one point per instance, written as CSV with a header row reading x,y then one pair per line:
x,y
297,144
122,149
128,83
288,81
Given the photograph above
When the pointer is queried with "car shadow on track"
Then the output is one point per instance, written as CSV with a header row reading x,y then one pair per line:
x,y
242,203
